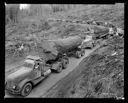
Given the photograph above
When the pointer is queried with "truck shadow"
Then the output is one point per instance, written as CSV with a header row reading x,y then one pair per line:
x,y
9,95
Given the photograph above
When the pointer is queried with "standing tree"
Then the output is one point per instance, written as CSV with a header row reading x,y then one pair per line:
x,y
12,13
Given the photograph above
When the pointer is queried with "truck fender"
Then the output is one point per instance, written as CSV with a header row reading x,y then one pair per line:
x,y
55,65
21,84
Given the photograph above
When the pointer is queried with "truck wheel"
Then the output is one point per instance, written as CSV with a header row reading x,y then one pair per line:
x,y
65,63
59,68
92,46
27,88
78,54
83,52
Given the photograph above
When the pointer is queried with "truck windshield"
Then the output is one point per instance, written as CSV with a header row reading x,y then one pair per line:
x,y
29,65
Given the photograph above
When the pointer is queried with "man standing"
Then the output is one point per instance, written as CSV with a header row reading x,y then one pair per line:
x,y
111,31
20,49
119,32
106,24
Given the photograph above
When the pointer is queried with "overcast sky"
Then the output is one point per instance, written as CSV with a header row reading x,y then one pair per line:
x,y
24,6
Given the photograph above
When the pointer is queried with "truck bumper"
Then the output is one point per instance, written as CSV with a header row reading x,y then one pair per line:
x,y
12,91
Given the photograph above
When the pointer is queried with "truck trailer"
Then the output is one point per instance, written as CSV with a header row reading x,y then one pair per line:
x,y
51,57
70,46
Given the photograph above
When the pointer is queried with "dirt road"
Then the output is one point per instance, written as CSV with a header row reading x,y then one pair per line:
x,y
50,81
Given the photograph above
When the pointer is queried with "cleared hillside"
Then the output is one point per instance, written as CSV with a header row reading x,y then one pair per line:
x,y
101,75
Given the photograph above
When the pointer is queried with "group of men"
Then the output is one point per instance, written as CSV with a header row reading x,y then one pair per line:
x,y
117,31
112,28
113,31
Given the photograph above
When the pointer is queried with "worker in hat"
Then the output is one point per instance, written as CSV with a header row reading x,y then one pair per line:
x,y
111,30
119,32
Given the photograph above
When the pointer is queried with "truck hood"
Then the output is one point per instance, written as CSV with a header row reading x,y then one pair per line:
x,y
86,40
18,75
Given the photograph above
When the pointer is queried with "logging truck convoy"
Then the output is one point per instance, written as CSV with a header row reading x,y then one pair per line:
x,y
37,67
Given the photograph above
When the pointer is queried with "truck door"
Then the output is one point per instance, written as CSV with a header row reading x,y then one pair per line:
x,y
37,70
46,69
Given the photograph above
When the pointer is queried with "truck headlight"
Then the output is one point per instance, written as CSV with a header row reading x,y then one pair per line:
x,y
5,83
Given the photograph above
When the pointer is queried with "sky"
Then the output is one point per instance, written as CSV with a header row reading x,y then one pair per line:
x,y
24,6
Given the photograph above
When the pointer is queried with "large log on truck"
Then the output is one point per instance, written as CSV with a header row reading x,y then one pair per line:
x,y
67,44
47,47
58,47
99,30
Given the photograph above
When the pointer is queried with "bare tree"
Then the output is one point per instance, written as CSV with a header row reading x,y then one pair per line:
x,y
12,11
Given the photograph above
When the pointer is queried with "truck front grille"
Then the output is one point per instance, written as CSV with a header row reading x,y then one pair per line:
x,y
9,84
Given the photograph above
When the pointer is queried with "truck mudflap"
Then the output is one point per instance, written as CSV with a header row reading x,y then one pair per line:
x,y
47,72
78,54
65,62
57,67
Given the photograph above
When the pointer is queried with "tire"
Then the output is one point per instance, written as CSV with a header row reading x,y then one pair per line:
x,y
83,52
65,63
78,54
92,46
59,68
27,88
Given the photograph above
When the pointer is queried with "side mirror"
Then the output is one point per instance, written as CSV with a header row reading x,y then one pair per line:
x,y
36,67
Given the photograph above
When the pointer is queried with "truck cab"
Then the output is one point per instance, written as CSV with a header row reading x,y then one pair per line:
x,y
40,65
29,74
88,42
